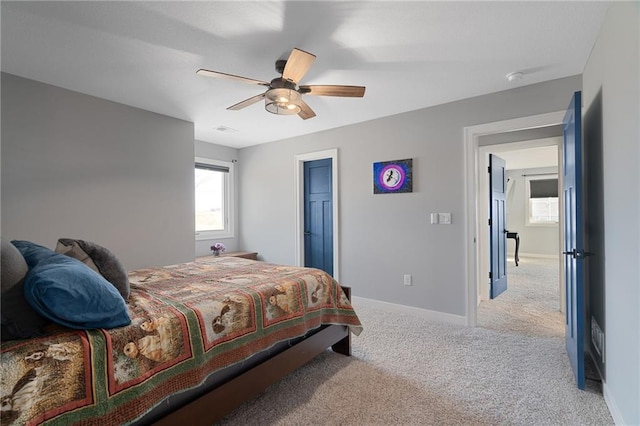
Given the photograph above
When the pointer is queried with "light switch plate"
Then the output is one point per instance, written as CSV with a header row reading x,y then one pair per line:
x,y
434,218
444,218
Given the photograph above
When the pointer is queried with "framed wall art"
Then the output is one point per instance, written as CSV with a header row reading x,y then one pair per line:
x,y
393,176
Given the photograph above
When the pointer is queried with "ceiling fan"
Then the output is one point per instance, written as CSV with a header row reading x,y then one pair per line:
x,y
284,96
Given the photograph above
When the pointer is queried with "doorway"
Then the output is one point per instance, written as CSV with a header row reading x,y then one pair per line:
x,y
300,161
528,162
476,269
318,215
531,303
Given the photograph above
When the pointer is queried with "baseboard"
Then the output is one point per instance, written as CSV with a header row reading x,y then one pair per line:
x,y
537,255
411,310
613,407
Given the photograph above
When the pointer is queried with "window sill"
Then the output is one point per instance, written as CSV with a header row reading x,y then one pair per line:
x,y
543,225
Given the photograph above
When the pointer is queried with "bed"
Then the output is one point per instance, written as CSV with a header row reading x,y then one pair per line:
x,y
204,337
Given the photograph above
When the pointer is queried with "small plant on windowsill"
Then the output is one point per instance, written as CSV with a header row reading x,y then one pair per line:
x,y
218,248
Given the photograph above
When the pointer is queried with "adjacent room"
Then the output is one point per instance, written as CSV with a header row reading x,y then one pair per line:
x,y
320,212
534,302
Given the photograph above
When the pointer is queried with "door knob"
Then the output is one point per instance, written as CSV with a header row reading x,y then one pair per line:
x,y
578,254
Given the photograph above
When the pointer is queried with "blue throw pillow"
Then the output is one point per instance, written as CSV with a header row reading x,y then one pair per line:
x,y
32,252
68,292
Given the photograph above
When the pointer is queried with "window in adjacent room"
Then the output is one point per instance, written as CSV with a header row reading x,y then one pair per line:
x,y
542,199
213,198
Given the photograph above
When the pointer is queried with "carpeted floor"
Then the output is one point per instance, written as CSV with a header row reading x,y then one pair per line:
x,y
531,304
406,370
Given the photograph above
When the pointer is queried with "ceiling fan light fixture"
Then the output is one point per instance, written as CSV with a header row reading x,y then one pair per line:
x,y
283,101
284,96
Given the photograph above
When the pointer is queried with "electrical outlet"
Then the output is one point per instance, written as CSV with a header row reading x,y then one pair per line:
x,y
407,280
444,218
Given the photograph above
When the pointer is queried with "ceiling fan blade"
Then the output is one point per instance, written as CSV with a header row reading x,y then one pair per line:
x,y
217,74
343,91
297,65
305,111
252,100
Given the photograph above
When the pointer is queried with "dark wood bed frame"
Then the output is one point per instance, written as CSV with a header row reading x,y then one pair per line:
x,y
222,400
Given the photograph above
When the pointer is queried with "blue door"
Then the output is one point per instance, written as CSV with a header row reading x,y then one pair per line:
x,y
497,225
318,215
573,241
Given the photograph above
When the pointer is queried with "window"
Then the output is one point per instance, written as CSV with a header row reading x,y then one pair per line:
x,y
213,199
542,199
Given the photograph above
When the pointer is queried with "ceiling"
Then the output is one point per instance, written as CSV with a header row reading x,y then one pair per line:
x,y
409,55
531,158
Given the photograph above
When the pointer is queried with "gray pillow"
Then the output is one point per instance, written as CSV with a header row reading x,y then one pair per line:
x,y
19,319
99,259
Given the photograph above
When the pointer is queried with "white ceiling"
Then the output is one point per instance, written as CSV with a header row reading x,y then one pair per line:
x,y
530,158
409,55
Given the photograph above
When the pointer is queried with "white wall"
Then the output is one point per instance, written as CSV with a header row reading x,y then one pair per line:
x,y
536,240
82,167
613,69
222,153
385,236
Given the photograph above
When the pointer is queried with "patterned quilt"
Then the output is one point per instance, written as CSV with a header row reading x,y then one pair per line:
x,y
188,321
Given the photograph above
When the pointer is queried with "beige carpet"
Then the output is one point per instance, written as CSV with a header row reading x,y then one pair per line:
x,y
531,304
406,370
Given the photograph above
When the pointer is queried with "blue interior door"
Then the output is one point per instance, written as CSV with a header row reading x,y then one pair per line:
x,y
497,225
318,215
573,237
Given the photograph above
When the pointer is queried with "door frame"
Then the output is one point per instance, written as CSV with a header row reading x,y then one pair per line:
x,y
473,262
300,159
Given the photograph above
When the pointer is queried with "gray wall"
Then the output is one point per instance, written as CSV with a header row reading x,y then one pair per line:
x,y
222,153
538,240
613,70
385,236
82,167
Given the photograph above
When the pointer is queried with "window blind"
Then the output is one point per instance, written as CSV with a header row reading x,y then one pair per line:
x,y
543,188
212,167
